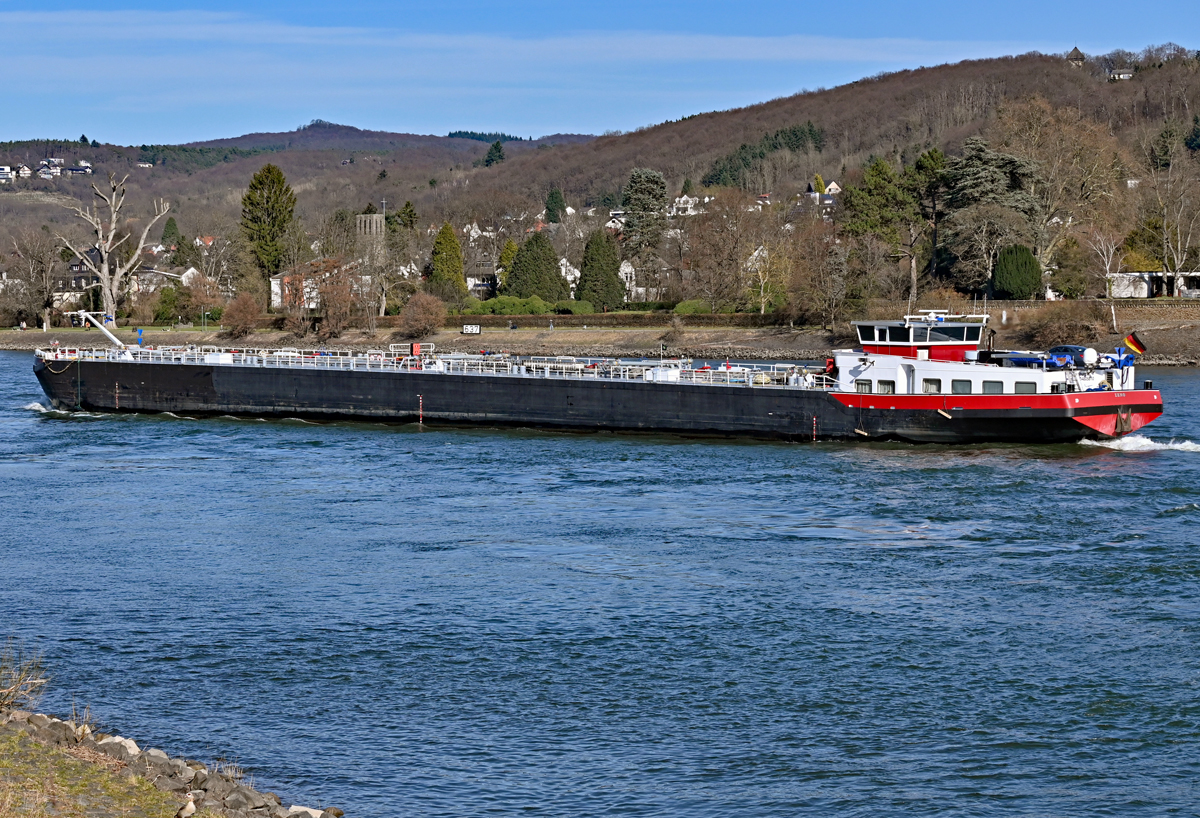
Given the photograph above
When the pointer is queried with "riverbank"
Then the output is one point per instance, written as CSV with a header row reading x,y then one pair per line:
x,y
53,767
1168,343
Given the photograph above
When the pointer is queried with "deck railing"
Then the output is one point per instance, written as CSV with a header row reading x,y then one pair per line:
x,y
779,376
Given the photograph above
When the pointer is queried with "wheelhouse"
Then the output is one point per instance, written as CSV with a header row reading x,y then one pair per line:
x,y
933,335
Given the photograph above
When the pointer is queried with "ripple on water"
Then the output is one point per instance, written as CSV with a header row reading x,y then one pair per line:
x,y
447,622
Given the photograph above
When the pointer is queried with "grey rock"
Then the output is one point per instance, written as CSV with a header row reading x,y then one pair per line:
x,y
245,798
201,777
168,784
332,812
18,715
304,812
237,800
57,732
182,771
218,786
38,720
273,798
155,753
278,812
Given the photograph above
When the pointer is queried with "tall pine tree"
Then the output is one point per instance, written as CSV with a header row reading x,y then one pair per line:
x,y
408,216
446,279
267,210
170,235
495,154
556,206
600,275
504,265
535,271
645,202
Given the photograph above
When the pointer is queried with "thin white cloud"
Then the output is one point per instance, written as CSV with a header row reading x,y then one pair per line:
x,y
178,76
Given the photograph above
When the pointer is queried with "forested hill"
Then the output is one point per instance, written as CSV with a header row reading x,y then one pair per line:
x,y
321,135
782,143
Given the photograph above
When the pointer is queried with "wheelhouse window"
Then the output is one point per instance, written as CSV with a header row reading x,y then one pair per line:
x,y
887,387
931,385
993,387
1026,388
866,333
944,333
862,385
898,335
960,387
920,335
973,333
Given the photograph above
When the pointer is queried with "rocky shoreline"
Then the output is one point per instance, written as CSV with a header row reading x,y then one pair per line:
x,y
215,790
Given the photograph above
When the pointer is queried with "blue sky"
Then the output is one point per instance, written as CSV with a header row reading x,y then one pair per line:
x,y
138,72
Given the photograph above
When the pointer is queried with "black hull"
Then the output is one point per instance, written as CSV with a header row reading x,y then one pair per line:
x,y
503,400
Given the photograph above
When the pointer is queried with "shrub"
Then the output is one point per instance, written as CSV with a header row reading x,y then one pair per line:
x,y
1063,322
241,317
694,307
574,308
423,315
1018,274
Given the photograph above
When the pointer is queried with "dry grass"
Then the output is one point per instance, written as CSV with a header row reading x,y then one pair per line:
x,y
1063,322
22,675
37,781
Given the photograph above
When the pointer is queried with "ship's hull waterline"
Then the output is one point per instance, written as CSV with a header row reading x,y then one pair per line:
x,y
588,404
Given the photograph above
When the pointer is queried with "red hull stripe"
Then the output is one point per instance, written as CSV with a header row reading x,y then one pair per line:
x,y
1065,402
1107,424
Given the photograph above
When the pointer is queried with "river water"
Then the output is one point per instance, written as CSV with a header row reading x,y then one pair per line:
x,y
429,622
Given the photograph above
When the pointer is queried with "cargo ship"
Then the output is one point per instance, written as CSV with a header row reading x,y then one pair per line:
x,y
924,378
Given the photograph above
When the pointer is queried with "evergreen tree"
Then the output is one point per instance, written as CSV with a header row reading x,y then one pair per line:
x,y
446,280
408,216
644,200
1018,274
818,184
556,206
95,144
83,140
170,235
504,265
600,275
688,187
1192,140
495,154
535,271
268,209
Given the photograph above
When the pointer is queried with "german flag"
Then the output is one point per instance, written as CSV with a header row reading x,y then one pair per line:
x,y
1135,344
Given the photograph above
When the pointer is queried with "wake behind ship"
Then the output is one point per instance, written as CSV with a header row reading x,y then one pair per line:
x,y
921,379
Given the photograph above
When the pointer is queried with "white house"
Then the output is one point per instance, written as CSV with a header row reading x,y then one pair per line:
x,y
629,275
1153,284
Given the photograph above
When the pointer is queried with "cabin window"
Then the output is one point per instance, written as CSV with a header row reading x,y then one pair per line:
x,y
973,333
920,334
898,334
993,387
887,387
881,333
866,333
960,387
931,385
1026,388
862,386
943,333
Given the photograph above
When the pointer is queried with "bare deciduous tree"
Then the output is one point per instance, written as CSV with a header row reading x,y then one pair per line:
x,y
111,266
35,268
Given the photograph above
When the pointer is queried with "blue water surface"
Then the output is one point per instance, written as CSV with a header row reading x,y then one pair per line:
x,y
441,622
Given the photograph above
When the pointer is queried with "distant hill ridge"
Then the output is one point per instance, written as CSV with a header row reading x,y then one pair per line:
x,y
322,135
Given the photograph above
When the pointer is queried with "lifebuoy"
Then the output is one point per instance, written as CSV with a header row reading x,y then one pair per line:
x,y
829,366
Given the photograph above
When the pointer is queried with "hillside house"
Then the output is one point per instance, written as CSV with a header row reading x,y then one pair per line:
x,y
1076,58
300,286
1153,284
24,171
6,174
1120,74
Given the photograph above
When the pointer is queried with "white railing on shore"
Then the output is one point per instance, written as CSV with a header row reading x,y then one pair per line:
x,y
784,376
